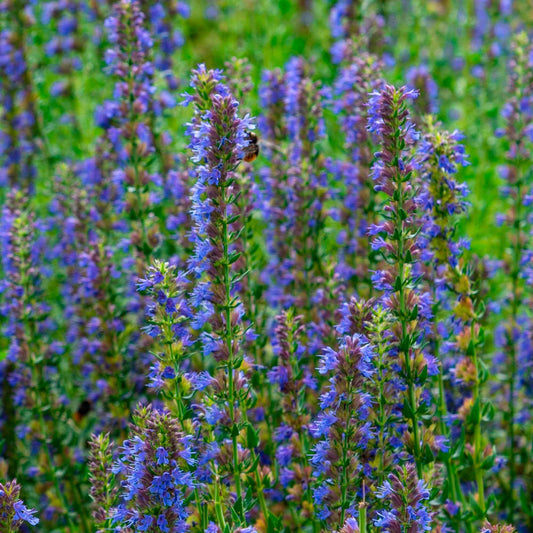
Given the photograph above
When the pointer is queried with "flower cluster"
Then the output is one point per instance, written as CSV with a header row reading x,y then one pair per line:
x,y
343,429
213,328
13,512
405,495
153,463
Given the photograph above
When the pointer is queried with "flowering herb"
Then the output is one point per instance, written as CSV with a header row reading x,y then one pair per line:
x,y
311,325
396,236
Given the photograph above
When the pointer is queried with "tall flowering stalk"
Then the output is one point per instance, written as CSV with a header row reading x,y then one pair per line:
x,y
160,20
63,20
344,430
20,136
345,18
443,200
240,84
177,201
297,401
357,211
168,316
354,25
127,121
219,138
28,375
239,78
470,371
371,320
419,78
397,238
294,187
99,332
104,491
294,199
518,115
169,325
160,17
121,228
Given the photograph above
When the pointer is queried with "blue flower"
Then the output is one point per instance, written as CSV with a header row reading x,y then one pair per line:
x,y
24,514
162,456
328,361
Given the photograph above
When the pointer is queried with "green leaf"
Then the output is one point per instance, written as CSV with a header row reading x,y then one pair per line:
x,y
474,506
487,413
525,503
253,466
236,510
481,337
423,375
470,349
252,436
408,410
397,284
483,373
459,445
488,462
234,256
473,416
427,455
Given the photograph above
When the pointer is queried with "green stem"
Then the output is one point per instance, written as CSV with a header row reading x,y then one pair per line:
x,y
181,409
518,244
344,480
134,160
403,320
382,404
455,487
81,508
218,504
260,494
309,495
347,434
44,433
362,517
477,429
402,314
298,401
38,379
515,274
231,362
229,337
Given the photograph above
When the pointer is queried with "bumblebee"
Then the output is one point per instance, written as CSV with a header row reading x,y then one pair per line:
x,y
83,410
252,149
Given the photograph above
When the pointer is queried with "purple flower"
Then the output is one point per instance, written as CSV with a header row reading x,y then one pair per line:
x,y
13,512
153,483
405,495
